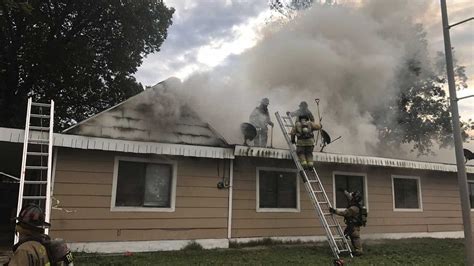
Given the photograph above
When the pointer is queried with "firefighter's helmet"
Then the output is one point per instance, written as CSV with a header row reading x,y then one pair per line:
x,y
32,216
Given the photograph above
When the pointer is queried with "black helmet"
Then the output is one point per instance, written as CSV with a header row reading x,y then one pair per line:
x,y
303,104
32,216
356,196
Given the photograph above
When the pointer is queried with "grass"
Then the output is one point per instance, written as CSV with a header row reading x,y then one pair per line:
x,y
423,251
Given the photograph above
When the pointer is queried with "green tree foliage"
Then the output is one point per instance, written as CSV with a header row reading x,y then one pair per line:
x,y
420,113
81,54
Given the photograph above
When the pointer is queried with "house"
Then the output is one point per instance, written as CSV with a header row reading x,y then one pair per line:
x,y
144,176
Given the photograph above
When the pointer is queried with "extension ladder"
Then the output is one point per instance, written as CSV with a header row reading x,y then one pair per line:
x,y
35,176
317,194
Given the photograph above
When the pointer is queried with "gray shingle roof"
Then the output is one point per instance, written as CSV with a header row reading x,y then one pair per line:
x,y
154,115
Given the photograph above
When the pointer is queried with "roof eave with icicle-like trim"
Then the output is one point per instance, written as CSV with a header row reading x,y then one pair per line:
x,y
117,145
246,151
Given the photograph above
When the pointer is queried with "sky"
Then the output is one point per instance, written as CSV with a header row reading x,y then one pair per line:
x,y
209,33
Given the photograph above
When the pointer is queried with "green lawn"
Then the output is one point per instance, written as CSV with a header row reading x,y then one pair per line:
x,y
392,252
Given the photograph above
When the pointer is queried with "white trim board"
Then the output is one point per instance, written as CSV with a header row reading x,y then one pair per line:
x,y
168,245
144,246
377,236
92,143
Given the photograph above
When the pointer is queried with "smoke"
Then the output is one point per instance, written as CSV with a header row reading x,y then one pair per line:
x,y
347,56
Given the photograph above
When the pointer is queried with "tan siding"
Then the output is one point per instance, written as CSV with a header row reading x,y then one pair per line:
x,y
138,235
129,223
83,185
440,199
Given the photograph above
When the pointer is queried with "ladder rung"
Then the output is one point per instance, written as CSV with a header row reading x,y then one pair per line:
x,y
32,167
38,141
39,128
39,116
313,181
34,197
37,153
36,182
327,213
323,202
41,104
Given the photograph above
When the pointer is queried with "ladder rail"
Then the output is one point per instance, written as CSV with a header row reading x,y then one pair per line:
x,y
23,163
48,175
312,193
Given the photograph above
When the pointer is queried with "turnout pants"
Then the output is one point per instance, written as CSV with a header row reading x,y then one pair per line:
x,y
354,234
305,155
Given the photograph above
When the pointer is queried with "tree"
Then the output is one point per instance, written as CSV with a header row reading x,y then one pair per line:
x,y
81,54
420,113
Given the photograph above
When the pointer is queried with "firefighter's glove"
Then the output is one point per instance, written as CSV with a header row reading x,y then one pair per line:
x,y
332,210
270,123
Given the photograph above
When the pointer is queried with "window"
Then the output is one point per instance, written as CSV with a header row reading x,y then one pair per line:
x,y
350,182
470,187
277,190
406,193
143,185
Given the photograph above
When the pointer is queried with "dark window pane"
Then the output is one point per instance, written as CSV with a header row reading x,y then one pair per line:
x,y
406,193
350,183
158,185
143,184
277,189
130,184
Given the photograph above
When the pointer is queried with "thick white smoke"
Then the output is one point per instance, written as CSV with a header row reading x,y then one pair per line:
x,y
346,56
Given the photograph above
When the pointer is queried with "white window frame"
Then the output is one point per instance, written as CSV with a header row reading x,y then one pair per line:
x,y
298,207
470,181
364,179
420,198
174,165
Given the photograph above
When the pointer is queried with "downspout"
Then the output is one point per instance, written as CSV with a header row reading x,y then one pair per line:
x,y
231,186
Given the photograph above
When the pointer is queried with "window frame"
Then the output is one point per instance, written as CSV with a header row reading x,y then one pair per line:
x,y
364,179
470,181
174,167
276,169
420,197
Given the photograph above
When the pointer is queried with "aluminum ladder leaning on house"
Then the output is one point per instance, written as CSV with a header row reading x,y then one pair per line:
x,y
317,194
35,176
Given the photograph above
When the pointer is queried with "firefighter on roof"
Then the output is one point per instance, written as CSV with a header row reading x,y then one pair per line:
x,y
303,110
355,216
302,135
260,119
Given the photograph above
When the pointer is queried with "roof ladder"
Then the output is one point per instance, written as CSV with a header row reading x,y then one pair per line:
x,y
35,176
317,194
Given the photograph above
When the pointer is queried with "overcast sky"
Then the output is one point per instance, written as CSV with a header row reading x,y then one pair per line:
x,y
206,33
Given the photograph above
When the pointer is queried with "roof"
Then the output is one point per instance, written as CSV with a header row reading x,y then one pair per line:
x,y
157,114
246,151
116,145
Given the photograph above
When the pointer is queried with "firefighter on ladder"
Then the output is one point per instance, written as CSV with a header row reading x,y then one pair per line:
x,y
355,216
302,135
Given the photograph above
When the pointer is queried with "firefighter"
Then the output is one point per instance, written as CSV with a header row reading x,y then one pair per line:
x,y
355,216
34,247
260,119
302,135
303,110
